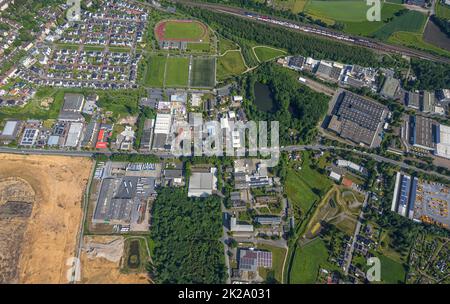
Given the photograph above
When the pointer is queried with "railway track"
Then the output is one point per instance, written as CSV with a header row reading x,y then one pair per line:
x,y
318,31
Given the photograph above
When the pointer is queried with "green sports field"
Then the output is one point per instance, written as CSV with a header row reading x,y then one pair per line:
x,y
177,72
203,72
184,30
154,76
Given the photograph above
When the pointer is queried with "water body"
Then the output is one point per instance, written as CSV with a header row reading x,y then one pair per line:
x,y
263,98
435,36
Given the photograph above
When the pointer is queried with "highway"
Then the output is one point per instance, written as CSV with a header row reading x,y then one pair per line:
x,y
319,31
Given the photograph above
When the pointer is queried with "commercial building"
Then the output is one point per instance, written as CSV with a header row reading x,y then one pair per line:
x,y
423,132
251,259
240,228
72,107
358,119
202,184
10,131
29,137
421,201
443,141
73,136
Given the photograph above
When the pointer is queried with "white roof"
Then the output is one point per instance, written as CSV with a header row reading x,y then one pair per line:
x,y
237,98
335,176
224,124
74,134
163,123
443,147
10,126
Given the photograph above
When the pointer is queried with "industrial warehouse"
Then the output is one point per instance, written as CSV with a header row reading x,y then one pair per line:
x,y
358,119
421,201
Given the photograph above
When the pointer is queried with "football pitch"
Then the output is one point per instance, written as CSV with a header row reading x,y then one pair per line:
x,y
203,72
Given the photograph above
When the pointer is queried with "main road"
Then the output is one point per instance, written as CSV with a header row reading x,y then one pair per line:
x,y
376,157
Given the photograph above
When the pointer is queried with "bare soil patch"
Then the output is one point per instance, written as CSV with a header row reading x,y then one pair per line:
x,y
46,209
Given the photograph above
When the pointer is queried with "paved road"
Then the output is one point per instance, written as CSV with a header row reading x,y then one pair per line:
x,y
349,257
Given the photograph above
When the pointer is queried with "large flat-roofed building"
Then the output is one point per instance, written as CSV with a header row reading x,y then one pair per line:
x,y
390,88
423,131
421,201
202,184
72,107
29,137
358,119
10,131
251,260
443,141
74,134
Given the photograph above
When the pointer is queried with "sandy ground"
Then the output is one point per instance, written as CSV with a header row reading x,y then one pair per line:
x,y
96,269
51,234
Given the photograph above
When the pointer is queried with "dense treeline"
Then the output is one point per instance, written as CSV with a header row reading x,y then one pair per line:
x,y
443,24
186,233
430,75
297,108
295,42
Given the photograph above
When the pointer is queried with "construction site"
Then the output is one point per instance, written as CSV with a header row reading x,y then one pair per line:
x,y
105,259
40,215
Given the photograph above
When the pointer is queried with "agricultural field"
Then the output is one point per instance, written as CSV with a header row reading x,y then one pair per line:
x,y
154,74
264,53
416,41
307,261
353,11
410,21
229,65
177,72
443,11
295,6
203,72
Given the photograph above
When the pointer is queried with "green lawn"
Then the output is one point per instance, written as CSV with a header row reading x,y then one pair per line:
x,y
230,65
33,109
184,30
198,47
203,72
266,53
277,261
177,72
307,261
411,21
302,186
154,75
295,6
225,45
392,272
443,11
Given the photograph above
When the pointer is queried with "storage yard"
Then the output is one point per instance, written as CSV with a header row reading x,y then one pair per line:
x,y
46,235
